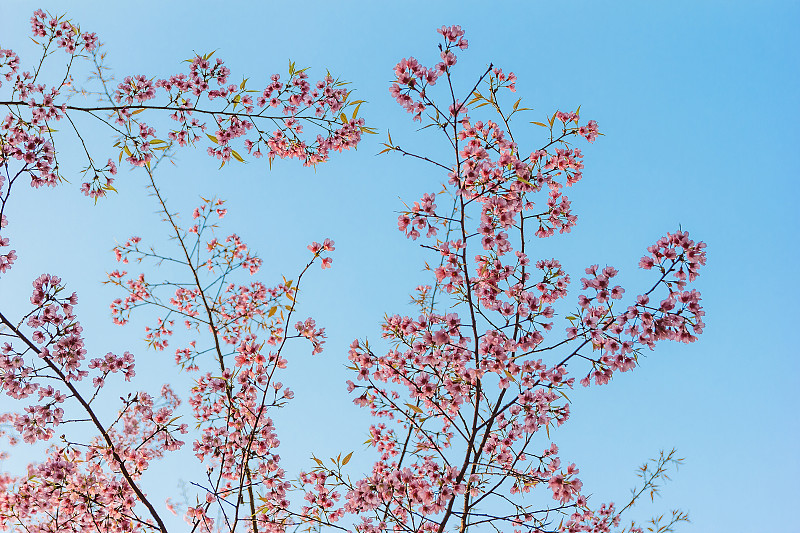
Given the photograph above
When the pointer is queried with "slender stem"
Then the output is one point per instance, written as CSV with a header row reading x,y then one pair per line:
x,y
114,108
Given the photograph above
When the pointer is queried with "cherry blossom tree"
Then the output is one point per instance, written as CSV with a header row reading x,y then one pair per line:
x,y
465,394
96,484
469,389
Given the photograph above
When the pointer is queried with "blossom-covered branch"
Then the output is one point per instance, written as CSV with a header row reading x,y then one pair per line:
x,y
149,117
471,388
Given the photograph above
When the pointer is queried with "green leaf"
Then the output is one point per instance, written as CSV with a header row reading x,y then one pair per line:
x,y
414,408
236,156
213,139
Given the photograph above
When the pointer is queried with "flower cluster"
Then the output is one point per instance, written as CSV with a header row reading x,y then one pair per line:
x,y
317,249
412,79
309,330
73,485
63,32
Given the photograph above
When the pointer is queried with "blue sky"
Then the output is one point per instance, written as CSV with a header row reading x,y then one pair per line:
x,y
695,100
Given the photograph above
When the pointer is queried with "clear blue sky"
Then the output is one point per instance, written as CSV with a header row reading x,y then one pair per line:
x,y
698,103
